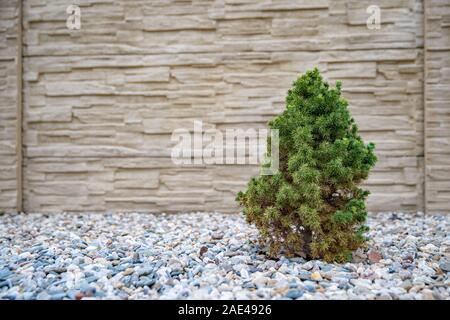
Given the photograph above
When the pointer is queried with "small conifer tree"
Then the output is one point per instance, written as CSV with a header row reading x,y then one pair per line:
x,y
313,205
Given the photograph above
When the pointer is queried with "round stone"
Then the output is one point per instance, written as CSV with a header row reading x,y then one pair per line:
x,y
211,256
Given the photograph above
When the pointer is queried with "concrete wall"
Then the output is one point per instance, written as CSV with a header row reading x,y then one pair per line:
x,y
437,106
8,98
100,103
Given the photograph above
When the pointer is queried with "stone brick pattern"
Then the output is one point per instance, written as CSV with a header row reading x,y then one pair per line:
x,y
438,106
100,103
8,96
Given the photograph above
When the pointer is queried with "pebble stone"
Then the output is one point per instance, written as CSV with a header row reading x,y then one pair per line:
x,y
211,256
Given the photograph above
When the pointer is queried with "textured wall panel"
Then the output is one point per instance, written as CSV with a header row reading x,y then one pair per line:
x,y
101,102
8,96
438,106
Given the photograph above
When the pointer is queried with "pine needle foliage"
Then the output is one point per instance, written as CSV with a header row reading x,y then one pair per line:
x,y
313,206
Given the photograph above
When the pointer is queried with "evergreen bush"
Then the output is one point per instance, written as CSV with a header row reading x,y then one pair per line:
x,y
313,205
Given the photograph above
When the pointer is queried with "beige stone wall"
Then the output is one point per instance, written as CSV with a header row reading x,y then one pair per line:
x,y
438,106
8,96
100,103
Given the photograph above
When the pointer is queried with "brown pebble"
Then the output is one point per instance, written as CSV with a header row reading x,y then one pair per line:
x,y
128,271
203,250
374,256
79,295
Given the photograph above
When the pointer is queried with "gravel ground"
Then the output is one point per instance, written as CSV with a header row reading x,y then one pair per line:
x,y
211,256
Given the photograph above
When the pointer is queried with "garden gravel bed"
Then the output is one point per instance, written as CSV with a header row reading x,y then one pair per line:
x,y
211,256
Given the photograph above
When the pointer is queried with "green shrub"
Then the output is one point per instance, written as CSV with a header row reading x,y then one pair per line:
x,y
313,205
